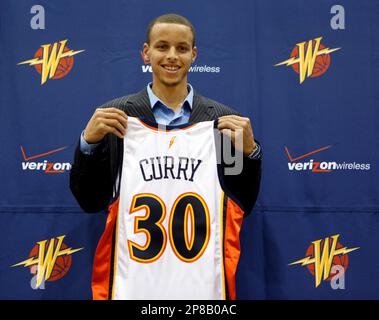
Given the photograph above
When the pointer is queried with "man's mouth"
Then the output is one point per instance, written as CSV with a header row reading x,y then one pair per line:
x,y
171,68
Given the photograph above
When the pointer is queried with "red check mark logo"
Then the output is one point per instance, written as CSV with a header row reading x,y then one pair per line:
x,y
26,158
306,154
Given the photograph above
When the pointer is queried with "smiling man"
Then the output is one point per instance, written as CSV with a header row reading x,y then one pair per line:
x,y
95,178
170,50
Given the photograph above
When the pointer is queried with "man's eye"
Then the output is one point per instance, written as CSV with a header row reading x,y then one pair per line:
x,y
183,49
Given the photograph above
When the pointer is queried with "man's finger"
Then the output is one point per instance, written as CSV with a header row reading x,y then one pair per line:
x,y
114,110
115,124
229,125
245,125
115,132
114,116
231,116
240,121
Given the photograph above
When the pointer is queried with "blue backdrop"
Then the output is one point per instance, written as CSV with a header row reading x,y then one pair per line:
x,y
319,135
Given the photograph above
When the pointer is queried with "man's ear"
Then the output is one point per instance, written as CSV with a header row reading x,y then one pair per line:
x,y
194,54
145,53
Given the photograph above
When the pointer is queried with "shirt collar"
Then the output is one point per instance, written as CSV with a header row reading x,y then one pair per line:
x,y
154,99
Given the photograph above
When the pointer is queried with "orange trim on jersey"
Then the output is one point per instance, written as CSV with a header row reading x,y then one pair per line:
x,y
115,259
103,257
222,245
164,130
234,217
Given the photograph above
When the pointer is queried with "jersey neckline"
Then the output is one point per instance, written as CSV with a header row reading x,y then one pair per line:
x,y
162,127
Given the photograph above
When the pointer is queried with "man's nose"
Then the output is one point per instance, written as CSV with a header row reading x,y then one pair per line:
x,y
172,54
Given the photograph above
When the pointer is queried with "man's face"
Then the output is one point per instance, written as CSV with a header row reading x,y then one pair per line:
x,y
170,53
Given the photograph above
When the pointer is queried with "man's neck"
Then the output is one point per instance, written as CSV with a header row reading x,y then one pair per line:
x,y
172,97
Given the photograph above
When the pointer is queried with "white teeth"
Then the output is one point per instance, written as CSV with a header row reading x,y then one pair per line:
x,y
171,68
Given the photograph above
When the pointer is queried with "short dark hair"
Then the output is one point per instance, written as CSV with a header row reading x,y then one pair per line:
x,y
170,18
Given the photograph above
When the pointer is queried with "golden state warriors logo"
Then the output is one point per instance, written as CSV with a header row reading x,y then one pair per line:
x,y
309,59
49,260
322,255
53,61
171,142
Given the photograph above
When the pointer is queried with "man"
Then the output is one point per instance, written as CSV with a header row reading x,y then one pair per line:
x,y
168,100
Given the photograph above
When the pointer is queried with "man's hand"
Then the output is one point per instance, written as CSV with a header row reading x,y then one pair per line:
x,y
104,121
239,127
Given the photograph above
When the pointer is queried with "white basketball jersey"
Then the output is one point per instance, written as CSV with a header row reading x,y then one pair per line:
x,y
172,233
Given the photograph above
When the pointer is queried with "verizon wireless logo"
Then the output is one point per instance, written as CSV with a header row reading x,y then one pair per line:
x,y
312,165
44,165
195,68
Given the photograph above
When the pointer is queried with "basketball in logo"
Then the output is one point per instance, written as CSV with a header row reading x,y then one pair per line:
x,y
322,62
64,65
339,260
62,264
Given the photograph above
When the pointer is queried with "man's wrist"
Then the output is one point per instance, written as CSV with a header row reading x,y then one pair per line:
x,y
256,153
85,147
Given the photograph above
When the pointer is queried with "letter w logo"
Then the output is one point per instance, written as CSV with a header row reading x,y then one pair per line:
x,y
307,54
323,256
51,55
47,257
50,62
307,58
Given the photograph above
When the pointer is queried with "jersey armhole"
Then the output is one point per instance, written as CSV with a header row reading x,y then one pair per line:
x,y
218,144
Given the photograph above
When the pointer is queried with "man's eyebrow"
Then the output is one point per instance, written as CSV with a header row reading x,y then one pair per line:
x,y
185,43
179,43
